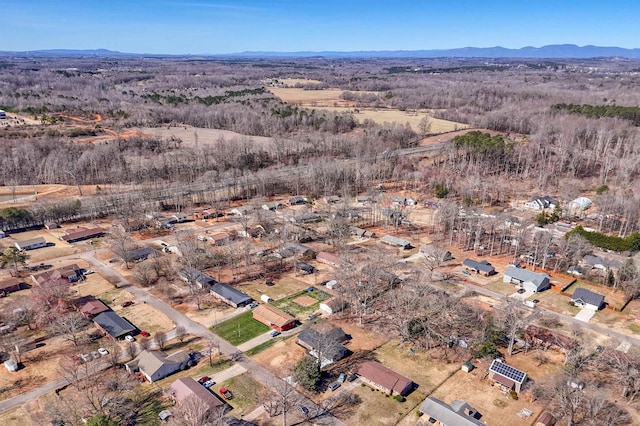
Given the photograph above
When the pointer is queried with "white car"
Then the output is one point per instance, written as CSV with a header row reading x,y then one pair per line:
x,y
86,357
103,351
208,384
129,338
88,272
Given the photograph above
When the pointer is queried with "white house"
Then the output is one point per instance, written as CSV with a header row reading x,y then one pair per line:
x,y
333,305
529,280
541,203
587,299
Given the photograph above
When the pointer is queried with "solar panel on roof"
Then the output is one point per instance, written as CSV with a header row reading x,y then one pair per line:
x,y
508,371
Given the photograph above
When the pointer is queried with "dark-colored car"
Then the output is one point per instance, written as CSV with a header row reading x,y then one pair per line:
x,y
352,377
522,290
204,379
270,283
127,303
304,410
275,333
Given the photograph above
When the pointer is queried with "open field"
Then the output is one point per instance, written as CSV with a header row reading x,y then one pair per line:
x,y
193,136
246,392
285,286
146,318
15,417
240,329
280,356
293,95
94,285
55,249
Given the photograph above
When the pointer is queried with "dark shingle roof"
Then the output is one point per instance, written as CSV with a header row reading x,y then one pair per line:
x,y
588,297
231,294
114,324
482,266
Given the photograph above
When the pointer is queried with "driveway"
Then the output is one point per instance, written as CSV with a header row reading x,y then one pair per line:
x,y
522,297
585,314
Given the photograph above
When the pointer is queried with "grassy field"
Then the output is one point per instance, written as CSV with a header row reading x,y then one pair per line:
x,y
246,392
503,288
283,287
288,305
556,302
240,329
377,409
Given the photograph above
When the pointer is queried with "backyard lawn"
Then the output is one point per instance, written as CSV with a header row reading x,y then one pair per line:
x,y
289,305
240,329
246,393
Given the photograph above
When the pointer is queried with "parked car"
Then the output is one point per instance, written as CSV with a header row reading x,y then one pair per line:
x,y
204,379
127,303
253,305
275,333
86,357
88,272
521,290
103,351
129,338
312,316
352,377
304,410
270,283
226,393
145,333
342,377
535,301
202,238
76,359
208,383
95,354
333,386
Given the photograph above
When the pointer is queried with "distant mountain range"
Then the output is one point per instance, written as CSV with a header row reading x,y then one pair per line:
x,y
555,51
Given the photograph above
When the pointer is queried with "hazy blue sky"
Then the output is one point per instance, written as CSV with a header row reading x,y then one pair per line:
x,y
219,26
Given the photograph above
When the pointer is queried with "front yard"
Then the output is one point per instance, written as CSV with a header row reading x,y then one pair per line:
x,y
240,329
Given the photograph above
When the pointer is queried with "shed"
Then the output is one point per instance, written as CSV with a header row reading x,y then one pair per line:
x,y
546,419
507,376
11,365
467,367
529,280
587,299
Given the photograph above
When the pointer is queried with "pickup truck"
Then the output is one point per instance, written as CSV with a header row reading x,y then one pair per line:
x,y
226,393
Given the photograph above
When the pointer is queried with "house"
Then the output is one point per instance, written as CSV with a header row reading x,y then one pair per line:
x,y
180,217
587,299
404,201
31,244
140,254
273,205
432,252
273,317
575,270
256,231
306,217
89,306
529,280
546,419
229,295
297,200
242,210
600,263
395,241
51,225
290,249
80,234
305,268
333,305
331,199
11,285
113,324
128,225
193,276
165,222
328,259
186,388
383,378
459,413
156,365
541,203
220,239
548,339
329,344
68,273
480,267
580,203
506,376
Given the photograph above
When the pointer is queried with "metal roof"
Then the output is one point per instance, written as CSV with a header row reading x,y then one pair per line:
x,y
231,294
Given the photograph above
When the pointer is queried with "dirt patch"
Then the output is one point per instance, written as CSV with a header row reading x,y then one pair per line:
x,y
281,357
192,136
304,300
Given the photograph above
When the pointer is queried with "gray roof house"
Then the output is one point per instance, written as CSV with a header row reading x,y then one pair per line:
x,y
481,267
395,241
587,299
229,295
156,365
32,244
329,342
242,210
529,280
290,249
113,324
191,275
458,413
298,199
599,262
140,254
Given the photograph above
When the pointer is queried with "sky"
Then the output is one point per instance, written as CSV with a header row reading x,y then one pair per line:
x,y
226,26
